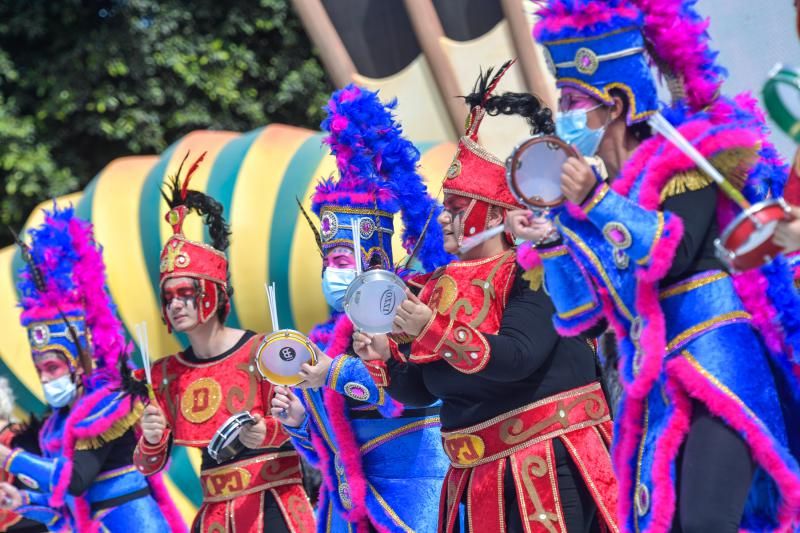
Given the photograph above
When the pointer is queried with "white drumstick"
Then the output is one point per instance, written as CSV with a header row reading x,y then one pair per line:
x,y
273,306
471,242
144,349
357,244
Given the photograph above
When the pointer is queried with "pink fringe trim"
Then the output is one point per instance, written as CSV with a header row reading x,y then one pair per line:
x,y
165,503
528,257
349,453
667,447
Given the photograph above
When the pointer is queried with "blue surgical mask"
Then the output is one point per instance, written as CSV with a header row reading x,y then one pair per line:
x,y
60,392
572,126
334,285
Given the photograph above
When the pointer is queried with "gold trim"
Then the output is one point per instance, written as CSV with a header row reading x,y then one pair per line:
x,y
718,384
656,238
481,152
690,285
377,441
586,389
706,325
578,310
572,40
598,498
555,252
115,473
599,266
117,430
393,515
338,363
466,194
605,95
692,180
354,211
596,198
640,455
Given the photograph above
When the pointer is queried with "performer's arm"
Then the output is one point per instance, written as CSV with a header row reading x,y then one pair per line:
x,y
361,381
153,448
524,341
406,384
35,507
41,473
573,294
645,236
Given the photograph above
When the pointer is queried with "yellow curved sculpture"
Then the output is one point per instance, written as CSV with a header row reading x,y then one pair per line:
x,y
256,176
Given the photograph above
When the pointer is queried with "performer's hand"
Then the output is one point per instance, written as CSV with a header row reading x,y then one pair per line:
x,y
5,451
524,225
315,376
412,316
153,424
10,496
253,435
788,233
577,180
286,407
371,347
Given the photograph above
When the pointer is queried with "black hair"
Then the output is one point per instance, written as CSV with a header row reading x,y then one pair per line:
x,y
641,130
526,105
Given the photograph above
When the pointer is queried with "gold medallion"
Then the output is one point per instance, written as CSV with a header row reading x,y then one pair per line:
x,y
201,400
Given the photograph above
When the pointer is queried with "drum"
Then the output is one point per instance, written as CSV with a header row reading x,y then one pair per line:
x,y
225,444
533,171
280,355
747,242
781,95
372,300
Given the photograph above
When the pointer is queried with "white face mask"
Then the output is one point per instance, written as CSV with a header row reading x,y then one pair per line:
x,y
60,392
334,285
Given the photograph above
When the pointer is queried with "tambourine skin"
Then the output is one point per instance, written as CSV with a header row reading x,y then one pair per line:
x,y
372,300
788,78
278,356
225,444
742,229
512,163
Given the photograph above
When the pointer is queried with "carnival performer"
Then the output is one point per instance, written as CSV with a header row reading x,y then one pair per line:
x,y
199,389
382,464
25,436
525,422
706,432
83,480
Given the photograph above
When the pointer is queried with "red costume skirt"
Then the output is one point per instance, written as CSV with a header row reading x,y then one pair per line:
x,y
233,495
523,440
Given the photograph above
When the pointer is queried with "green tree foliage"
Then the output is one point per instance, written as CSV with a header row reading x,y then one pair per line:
x,y
83,82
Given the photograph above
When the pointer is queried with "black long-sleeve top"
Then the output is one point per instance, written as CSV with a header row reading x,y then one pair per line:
x,y
88,464
695,253
529,361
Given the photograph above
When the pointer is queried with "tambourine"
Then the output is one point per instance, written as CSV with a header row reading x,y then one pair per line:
x,y
372,300
781,94
533,171
279,356
747,241
225,444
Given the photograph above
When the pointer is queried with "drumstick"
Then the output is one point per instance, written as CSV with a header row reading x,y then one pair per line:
x,y
141,333
471,242
273,306
661,125
357,243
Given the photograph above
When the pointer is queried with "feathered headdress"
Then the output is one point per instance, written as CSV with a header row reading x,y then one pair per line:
x,y
599,45
377,178
65,301
182,257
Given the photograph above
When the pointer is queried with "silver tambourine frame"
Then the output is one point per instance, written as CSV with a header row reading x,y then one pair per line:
x,y
237,421
266,340
361,280
511,163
